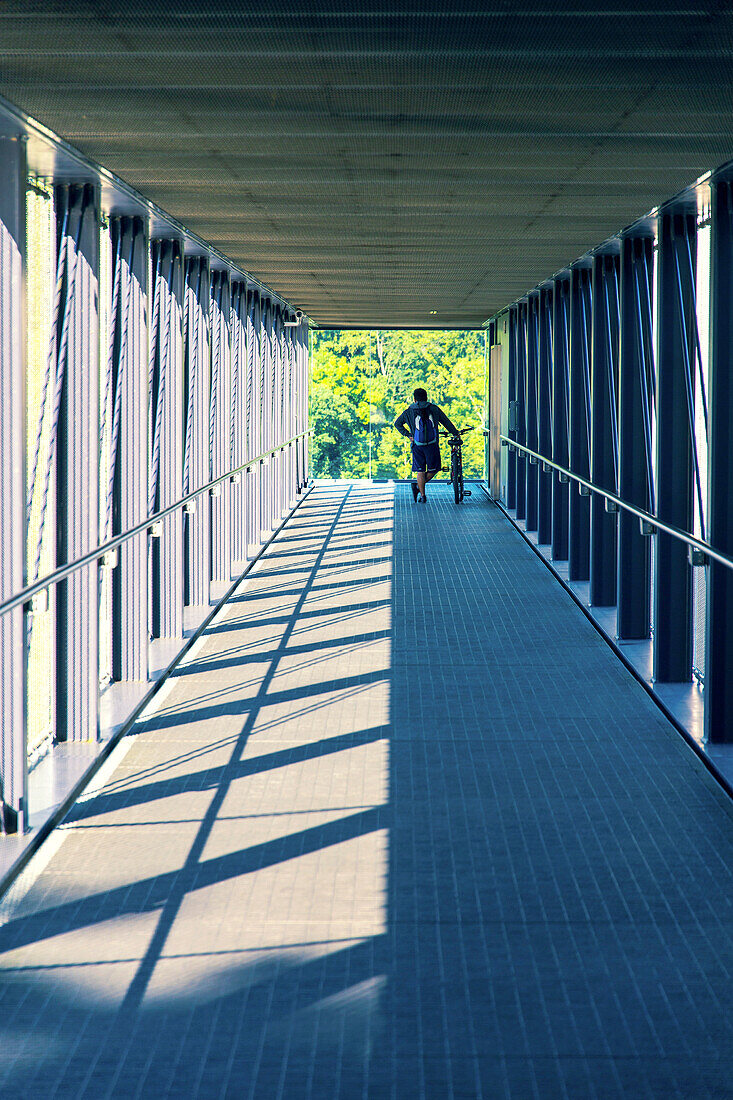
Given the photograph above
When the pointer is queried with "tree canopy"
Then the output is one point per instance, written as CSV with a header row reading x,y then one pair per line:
x,y
361,381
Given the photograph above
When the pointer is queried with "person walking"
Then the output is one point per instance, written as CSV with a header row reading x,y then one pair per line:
x,y
419,423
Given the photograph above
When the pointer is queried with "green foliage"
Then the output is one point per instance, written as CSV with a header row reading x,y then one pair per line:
x,y
361,382
336,430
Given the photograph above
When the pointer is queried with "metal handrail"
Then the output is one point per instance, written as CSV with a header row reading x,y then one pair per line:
x,y
658,524
64,571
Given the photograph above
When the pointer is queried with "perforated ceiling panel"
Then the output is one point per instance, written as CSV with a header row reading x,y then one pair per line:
x,y
374,163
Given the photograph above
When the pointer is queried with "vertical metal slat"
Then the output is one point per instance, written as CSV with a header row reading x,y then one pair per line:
x,y
78,475
13,777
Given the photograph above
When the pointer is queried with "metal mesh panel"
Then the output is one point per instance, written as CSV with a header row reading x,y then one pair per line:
x,y
105,445
699,597
41,284
374,162
652,581
702,302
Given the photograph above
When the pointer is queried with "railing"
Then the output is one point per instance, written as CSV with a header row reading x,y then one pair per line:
x,y
637,335
25,595
139,371
655,524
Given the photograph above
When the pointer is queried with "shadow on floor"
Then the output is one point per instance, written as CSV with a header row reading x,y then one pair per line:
x,y
552,911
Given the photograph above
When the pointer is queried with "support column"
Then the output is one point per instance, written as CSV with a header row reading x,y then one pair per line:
x,y
511,466
253,358
219,430
531,413
302,403
78,466
604,387
277,408
279,417
196,439
489,417
285,422
673,588
131,473
238,436
262,434
579,441
261,414
167,468
719,636
305,401
294,417
634,549
544,415
295,483
13,654
289,424
560,415
266,368
521,434
295,407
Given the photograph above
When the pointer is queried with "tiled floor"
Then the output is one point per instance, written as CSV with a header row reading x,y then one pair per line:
x,y
403,827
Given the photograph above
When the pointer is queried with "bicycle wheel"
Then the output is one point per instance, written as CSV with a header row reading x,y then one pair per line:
x,y
456,477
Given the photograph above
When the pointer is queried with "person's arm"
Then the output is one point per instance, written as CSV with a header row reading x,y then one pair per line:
x,y
443,419
401,425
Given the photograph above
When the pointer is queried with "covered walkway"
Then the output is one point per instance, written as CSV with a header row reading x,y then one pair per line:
x,y
402,826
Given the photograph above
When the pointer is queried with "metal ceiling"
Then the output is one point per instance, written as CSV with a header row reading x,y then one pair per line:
x,y
373,162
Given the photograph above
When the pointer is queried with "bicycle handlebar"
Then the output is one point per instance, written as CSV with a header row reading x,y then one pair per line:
x,y
461,432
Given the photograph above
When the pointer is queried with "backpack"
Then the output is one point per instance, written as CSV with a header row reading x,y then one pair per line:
x,y
425,430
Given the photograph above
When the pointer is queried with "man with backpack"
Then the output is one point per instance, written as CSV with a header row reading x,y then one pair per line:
x,y
419,423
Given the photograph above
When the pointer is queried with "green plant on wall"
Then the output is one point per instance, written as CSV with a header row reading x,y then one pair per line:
x,y
361,381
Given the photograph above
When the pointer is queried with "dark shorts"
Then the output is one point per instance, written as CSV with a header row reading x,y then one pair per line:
x,y
426,458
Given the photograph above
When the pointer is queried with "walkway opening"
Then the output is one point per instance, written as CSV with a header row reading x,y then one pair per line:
x,y
361,380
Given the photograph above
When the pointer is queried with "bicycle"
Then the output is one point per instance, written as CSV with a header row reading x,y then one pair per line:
x,y
456,464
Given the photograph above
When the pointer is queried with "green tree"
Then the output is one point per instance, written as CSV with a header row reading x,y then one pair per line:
x,y
335,429
361,381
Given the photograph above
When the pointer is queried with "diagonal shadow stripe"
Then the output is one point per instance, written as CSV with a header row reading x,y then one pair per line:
x,y
139,984
315,651
313,613
251,706
295,592
168,890
207,779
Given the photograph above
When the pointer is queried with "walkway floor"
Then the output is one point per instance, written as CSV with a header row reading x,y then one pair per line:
x,y
404,827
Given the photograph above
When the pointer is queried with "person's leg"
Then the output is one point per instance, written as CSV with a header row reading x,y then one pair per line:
x,y
433,466
427,476
418,470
